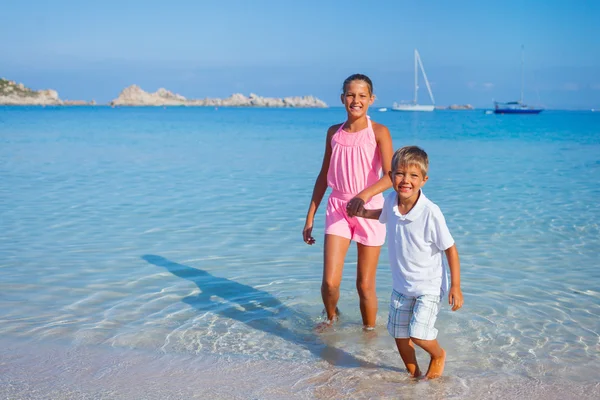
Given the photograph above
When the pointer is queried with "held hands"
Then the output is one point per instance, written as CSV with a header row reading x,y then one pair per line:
x,y
455,298
355,207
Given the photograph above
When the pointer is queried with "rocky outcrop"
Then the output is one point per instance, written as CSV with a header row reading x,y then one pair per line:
x,y
135,96
456,107
460,107
79,103
12,93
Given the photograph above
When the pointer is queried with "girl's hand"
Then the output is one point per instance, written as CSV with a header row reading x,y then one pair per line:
x,y
362,212
355,206
307,234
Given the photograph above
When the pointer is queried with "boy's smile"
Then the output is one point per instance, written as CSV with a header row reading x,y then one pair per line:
x,y
407,180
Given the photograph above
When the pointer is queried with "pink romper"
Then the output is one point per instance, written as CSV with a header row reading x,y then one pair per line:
x,y
355,164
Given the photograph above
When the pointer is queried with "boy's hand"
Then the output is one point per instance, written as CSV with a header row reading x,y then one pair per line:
x,y
455,298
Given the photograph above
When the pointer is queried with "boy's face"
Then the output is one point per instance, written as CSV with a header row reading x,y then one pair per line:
x,y
407,180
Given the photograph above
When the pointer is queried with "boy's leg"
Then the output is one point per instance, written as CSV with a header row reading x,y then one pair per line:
x,y
423,333
334,252
366,269
438,357
407,352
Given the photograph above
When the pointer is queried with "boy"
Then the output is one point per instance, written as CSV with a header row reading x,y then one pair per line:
x,y
417,236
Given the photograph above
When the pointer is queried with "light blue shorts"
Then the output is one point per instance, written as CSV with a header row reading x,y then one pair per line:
x,y
413,316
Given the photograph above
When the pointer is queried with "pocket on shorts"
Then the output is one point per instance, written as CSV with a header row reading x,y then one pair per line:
x,y
397,300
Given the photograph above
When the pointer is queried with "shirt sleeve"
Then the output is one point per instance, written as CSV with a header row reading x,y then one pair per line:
x,y
441,234
383,217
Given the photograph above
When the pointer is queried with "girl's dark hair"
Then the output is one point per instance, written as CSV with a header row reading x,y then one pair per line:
x,y
358,77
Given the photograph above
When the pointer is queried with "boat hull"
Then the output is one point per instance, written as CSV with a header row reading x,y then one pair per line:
x,y
412,107
518,111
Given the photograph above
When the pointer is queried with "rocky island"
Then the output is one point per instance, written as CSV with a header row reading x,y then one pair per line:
x,y
456,107
16,93
12,93
135,96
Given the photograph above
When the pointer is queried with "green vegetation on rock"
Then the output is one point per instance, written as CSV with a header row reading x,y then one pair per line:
x,y
11,88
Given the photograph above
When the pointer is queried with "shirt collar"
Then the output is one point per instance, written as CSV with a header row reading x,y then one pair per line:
x,y
416,211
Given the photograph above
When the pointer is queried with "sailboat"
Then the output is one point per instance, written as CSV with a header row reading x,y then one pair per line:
x,y
516,107
415,106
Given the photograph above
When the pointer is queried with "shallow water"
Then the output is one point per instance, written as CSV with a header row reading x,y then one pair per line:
x,y
166,243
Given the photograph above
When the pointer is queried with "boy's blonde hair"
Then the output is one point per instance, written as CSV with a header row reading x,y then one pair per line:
x,y
411,155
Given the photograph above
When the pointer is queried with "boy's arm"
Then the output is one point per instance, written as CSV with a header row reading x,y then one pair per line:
x,y
370,214
455,296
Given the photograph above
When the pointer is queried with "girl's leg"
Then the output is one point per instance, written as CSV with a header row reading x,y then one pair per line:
x,y
334,253
438,357
368,258
407,352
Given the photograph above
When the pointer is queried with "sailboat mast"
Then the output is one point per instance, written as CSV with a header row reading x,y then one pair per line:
x,y
425,77
416,76
522,75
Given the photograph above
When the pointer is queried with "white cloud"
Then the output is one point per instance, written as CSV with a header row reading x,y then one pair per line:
x,y
571,87
480,86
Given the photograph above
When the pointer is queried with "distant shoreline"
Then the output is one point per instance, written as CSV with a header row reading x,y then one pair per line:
x,y
12,93
375,112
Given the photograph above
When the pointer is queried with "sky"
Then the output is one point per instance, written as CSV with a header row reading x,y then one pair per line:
x,y
471,50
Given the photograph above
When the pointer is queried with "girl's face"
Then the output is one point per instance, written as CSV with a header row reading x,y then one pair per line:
x,y
357,98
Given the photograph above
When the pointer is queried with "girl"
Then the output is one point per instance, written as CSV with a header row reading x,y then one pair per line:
x,y
355,152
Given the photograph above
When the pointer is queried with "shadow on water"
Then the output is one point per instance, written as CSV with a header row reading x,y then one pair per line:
x,y
257,309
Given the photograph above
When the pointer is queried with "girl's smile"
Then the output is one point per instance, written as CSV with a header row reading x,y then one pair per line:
x,y
357,98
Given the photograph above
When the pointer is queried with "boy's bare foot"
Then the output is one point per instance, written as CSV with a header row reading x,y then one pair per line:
x,y
436,366
414,374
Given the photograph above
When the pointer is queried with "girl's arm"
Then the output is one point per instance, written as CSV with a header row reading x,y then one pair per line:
x,y
386,151
319,189
455,296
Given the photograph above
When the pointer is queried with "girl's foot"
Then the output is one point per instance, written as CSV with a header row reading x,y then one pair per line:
x,y
369,332
324,326
367,328
328,323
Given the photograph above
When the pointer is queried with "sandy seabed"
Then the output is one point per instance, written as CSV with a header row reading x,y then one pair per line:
x,y
34,370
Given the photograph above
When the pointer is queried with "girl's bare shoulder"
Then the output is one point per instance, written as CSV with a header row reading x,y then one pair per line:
x,y
333,129
379,129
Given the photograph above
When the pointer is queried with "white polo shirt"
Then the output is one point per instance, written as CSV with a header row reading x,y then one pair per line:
x,y
416,244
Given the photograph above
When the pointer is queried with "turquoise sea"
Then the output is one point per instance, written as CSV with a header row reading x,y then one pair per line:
x,y
157,253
